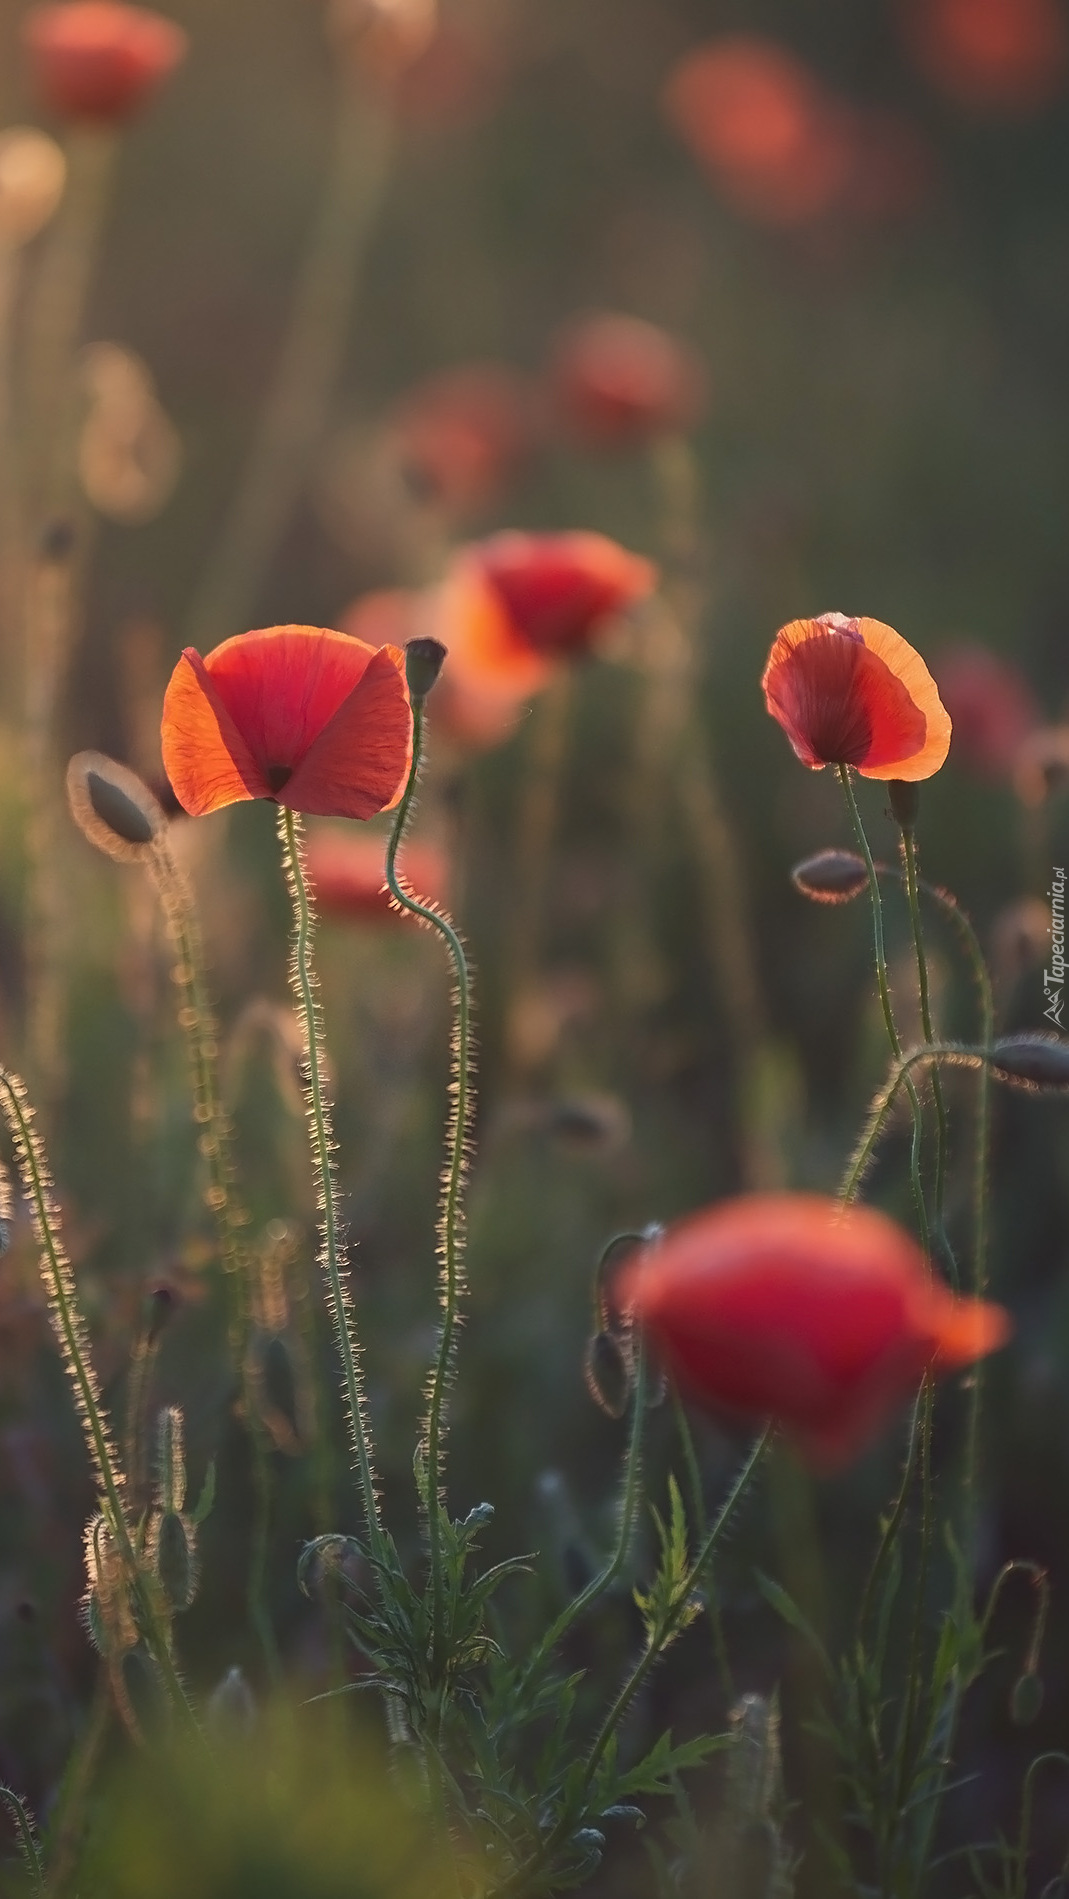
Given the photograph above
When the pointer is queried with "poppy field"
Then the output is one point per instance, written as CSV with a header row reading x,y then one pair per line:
x,y
534,1179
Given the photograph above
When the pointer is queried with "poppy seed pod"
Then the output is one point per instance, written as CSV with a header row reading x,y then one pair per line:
x,y
99,61
33,172
905,801
112,807
831,876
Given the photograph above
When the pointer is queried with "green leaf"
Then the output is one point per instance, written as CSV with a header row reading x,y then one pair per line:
x,y
201,1510
786,1607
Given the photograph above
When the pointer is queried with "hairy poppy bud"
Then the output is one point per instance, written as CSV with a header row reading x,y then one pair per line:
x,y
33,172
905,801
112,807
176,1558
423,662
831,876
1031,1061
607,1369
1026,1700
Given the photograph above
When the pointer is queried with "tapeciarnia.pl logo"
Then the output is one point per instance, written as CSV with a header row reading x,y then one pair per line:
x,y
1054,977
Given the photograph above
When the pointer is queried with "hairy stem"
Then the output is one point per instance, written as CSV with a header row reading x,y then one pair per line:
x,y
339,1297
451,1214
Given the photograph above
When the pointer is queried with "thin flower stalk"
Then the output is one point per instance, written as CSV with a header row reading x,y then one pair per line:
x,y
451,1226
909,860
339,1297
884,987
537,821
69,1328
296,405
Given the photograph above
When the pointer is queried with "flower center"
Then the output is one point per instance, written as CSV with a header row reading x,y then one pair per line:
x,y
278,775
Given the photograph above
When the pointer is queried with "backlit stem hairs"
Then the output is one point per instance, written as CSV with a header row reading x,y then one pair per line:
x,y
331,1232
458,1130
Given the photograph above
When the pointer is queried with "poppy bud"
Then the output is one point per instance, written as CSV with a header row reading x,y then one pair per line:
x,y
1026,1700
159,1306
33,172
1031,1061
142,1691
423,662
176,1558
831,876
112,807
607,1369
905,801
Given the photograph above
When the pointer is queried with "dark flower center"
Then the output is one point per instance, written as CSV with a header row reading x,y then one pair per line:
x,y
278,775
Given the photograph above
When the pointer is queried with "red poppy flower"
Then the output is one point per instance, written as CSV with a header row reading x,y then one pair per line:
x,y
513,605
991,705
1010,55
96,59
310,718
347,870
787,1306
777,144
854,692
461,436
618,381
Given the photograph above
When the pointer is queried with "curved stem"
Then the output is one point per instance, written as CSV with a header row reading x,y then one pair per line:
x,y
339,1297
451,1214
70,1331
296,404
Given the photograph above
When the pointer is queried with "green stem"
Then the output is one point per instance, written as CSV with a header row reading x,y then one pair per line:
x,y
885,1000
630,1497
322,1143
909,858
451,1214
697,1507
70,1330
196,1020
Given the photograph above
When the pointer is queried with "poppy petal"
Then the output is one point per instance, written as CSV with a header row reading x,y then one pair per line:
x,y
283,684
854,692
909,668
359,762
205,756
470,619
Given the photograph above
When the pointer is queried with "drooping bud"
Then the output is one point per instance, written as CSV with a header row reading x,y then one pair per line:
x,y
174,1550
831,876
424,659
905,800
1026,1700
608,1373
1031,1060
112,807
33,172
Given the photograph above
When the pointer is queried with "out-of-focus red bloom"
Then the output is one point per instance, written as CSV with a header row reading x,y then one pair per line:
x,y
892,167
382,37
308,717
787,1306
456,80
465,710
1008,55
462,435
348,873
99,60
854,692
514,605
991,705
777,144
617,380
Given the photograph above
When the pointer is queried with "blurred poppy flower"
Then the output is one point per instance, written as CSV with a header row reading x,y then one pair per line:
x,y
513,605
99,60
308,717
790,1307
33,173
456,80
460,437
854,692
466,711
1009,55
776,143
348,873
892,167
991,705
617,381
1041,768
